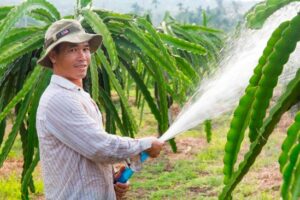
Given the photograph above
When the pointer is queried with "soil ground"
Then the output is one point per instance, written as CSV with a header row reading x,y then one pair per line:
x,y
193,172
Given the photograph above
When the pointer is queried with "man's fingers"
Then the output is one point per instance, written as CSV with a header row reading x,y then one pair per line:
x,y
122,185
122,168
120,191
155,148
119,172
121,188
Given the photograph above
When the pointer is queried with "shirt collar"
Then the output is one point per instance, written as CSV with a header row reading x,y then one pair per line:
x,y
63,82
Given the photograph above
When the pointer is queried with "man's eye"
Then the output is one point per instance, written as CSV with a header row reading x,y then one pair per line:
x,y
86,49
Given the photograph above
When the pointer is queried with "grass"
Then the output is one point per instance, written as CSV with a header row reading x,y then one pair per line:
x,y
199,175
195,172
10,186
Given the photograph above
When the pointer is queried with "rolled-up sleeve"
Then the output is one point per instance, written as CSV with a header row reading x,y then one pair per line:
x,y
67,119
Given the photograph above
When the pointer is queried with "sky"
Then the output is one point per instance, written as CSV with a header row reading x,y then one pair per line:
x,y
125,6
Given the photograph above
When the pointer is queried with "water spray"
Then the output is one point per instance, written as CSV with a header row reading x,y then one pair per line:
x,y
221,92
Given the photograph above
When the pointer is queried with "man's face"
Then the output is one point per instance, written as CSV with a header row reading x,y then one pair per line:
x,y
72,60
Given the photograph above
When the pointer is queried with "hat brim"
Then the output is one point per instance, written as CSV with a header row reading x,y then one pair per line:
x,y
94,41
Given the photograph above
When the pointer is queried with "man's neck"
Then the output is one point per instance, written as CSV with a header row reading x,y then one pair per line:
x,y
77,82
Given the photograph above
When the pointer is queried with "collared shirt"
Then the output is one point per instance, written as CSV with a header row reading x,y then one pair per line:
x,y
76,153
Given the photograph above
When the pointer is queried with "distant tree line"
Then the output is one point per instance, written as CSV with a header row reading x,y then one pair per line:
x,y
222,16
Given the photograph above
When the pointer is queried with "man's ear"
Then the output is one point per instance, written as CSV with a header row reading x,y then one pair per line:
x,y
52,56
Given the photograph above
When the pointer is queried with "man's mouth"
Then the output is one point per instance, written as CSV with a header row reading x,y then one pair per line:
x,y
81,66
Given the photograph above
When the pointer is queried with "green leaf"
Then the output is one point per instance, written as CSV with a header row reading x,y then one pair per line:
x,y
289,170
110,105
295,190
31,80
285,45
43,82
108,15
126,121
13,134
28,174
258,14
19,35
100,55
207,128
116,28
156,42
42,15
19,11
285,101
9,53
183,45
187,69
85,3
204,18
141,85
161,90
4,11
289,141
242,113
94,77
191,27
99,27
111,112
150,50
29,136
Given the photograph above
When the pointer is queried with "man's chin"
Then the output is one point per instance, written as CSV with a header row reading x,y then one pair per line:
x,y
82,76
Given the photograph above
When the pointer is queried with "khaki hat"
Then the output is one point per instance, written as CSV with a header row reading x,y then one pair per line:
x,y
67,30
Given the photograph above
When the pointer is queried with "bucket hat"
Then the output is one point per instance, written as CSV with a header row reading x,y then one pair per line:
x,y
67,30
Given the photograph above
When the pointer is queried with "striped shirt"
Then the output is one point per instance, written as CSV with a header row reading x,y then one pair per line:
x,y
76,153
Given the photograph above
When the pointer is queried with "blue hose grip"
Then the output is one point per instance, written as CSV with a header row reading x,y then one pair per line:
x,y
128,172
144,156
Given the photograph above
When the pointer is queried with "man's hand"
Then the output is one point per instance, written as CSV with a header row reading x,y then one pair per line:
x,y
120,188
155,148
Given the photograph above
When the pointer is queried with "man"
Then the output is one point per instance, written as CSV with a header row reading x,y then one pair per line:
x,y
76,153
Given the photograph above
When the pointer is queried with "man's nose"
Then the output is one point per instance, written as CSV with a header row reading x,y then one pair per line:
x,y
82,55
